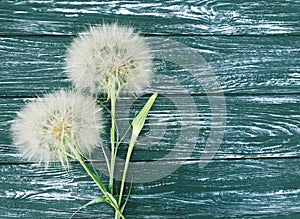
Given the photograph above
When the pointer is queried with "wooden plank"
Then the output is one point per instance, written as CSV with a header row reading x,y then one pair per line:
x,y
237,189
257,126
228,17
242,65
255,172
28,64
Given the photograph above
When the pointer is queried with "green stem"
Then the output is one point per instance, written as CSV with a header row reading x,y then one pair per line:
x,y
137,125
112,140
99,183
128,156
92,175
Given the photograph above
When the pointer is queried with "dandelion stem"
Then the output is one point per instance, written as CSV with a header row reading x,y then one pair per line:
x,y
99,183
128,156
92,175
112,139
137,125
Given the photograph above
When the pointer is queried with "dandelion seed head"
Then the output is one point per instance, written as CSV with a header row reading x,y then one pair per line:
x,y
109,58
50,127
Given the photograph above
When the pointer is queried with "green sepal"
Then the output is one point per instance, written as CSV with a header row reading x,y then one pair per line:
x,y
139,121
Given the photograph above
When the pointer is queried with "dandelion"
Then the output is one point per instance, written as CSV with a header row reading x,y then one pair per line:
x,y
109,59
59,125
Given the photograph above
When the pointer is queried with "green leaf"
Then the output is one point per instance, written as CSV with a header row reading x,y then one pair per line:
x,y
94,201
112,199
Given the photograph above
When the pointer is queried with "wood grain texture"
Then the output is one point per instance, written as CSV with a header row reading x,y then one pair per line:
x,y
169,17
256,127
245,65
253,49
224,189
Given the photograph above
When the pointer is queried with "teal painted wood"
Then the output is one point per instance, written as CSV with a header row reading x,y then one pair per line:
x,y
154,17
224,189
256,127
243,65
253,48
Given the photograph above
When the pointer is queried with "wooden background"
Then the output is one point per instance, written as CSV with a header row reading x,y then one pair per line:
x,y
253,48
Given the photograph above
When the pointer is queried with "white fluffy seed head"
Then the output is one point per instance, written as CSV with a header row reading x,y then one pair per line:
x,y
109,59
59,123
